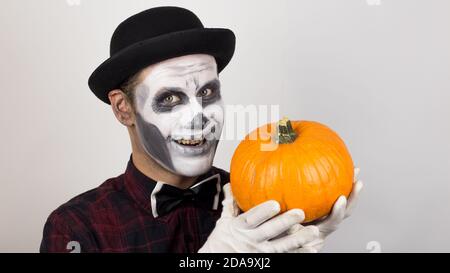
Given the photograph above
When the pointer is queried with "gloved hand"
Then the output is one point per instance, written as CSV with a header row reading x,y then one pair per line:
x,y
341,210
259,229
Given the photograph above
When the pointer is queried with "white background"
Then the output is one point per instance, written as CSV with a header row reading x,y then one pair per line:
x,y
376,71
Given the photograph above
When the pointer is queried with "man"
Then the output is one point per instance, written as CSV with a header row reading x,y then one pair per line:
x,y
162,83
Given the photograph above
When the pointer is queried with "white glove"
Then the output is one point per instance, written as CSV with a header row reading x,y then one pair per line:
x,y
259,229
341,210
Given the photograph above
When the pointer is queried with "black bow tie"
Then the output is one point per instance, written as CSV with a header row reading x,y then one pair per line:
x,y
205,193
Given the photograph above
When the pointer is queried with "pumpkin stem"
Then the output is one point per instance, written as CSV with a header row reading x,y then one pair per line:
x,y
285,133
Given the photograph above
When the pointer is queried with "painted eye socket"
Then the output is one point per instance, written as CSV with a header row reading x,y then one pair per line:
x,y
205,92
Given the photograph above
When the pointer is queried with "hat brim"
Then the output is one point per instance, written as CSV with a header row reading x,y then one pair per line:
x,y
217,42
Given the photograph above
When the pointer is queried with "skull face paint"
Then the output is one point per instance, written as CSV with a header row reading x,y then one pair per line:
x,y
179,113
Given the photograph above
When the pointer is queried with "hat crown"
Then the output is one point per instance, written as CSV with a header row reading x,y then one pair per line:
x,y
152,23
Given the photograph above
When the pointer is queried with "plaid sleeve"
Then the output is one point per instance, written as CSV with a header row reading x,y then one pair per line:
x,y
65,234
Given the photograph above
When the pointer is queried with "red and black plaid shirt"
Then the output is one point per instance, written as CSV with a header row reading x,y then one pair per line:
x,y
117,217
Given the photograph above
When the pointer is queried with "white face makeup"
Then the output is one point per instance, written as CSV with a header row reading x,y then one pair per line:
x,y
179,113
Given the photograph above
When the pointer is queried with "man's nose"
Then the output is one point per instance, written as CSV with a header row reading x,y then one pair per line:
x,y
199,122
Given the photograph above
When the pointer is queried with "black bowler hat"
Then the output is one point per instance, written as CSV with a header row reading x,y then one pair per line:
x,y
155,35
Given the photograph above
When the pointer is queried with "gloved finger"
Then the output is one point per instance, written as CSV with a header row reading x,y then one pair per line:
x,y
333,220
295,240
227,191
356,174
353,198
305,249
260,213
228,206
312,247
291,230
316,244
279,224
294,228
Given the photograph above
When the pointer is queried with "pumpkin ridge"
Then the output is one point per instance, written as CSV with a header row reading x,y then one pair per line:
x,y
333,155
332,173
299,157
245,147
331,143
259,180
262,179
344,159
278,172
253,165
310,160
331,149
340,154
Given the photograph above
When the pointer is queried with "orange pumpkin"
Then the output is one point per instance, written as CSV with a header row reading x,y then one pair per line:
x,y
301,164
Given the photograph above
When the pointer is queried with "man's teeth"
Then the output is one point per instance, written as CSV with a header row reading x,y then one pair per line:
x,y
189,141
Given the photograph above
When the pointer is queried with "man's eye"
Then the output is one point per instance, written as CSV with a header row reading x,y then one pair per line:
x,y
205,92
171,99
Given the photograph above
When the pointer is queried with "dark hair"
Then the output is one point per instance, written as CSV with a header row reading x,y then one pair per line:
x,y
128,86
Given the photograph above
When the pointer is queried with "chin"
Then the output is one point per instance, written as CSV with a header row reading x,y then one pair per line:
x,y
193,165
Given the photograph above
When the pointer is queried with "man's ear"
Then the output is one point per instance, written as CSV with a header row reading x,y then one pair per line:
x,y
122,107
